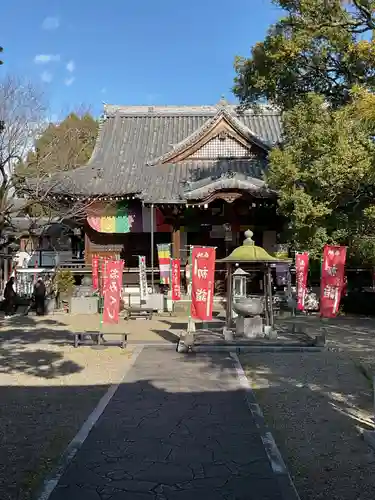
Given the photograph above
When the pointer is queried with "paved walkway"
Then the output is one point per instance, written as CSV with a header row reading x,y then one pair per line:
x,y
177,428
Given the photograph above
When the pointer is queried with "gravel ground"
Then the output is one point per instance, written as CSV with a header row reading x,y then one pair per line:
x,y
316,405
47,390
59,326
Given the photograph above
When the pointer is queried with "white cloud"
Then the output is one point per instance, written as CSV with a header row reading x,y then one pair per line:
x,y
46,77
46,58
51,23
68,81
71,66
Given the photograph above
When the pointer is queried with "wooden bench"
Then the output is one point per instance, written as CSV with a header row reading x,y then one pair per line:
x,y
96,338
138,312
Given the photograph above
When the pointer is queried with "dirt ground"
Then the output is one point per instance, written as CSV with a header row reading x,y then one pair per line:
x,y
316,405
47,391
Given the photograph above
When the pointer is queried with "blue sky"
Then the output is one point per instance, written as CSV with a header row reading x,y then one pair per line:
x,y
84,52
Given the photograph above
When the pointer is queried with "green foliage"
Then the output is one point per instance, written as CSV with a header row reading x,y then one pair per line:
x,y
324,173
317,63
63,146
63,282
320,46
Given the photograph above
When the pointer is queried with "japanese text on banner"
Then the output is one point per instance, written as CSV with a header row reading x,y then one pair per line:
x,y
112,294
104,276
332,283
142,278
95,272
203,278
302,267
176,279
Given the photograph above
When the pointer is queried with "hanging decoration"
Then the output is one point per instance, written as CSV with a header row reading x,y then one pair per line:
x,y
112,294
176,279
142,278
111,218
203,278
95,272
124,217
332,280
104,276
164,256
302,268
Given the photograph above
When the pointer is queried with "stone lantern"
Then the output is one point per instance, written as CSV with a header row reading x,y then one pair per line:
x,y
250,309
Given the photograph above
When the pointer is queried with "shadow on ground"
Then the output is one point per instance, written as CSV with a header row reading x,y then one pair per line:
x,y
36,424
184,435
19,338
160,440
316,405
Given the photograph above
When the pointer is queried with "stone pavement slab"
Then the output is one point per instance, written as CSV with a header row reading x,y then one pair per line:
x,y
177,428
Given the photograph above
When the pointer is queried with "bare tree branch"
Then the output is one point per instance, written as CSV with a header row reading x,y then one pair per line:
x,y
23,113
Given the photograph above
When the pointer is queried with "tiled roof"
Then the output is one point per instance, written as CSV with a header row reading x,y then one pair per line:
x,y
170,182
131,138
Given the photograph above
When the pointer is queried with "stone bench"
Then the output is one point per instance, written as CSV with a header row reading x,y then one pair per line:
x,y
97,338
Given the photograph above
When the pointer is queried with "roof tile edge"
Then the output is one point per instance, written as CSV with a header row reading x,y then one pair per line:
x,y
149,110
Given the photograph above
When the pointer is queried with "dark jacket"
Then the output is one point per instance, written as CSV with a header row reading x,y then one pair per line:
x,y
39,289
9,292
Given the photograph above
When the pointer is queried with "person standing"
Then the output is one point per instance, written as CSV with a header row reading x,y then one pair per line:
x,y
10,298
40,297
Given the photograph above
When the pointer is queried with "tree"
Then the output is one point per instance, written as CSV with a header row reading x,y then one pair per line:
x,y
1,50
22,111
63,146
324,174
321,46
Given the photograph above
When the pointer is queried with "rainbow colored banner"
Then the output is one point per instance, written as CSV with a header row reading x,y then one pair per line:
x,y
115,218
122,217
164,256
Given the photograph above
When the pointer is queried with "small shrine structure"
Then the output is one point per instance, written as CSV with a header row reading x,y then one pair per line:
x,y
255,265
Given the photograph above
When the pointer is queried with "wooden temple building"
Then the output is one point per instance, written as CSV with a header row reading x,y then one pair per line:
x,y
185,175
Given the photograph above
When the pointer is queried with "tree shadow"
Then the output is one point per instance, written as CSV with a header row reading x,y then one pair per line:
x,y
317,405
167,335
19,338
172,332
186,433
36,424
351,335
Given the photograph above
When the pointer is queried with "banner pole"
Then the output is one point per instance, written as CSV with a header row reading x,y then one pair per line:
x,y
191,328
152,248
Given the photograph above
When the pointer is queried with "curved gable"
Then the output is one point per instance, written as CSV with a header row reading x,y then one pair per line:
x,y
222,136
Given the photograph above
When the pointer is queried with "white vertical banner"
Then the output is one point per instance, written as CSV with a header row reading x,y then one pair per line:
x,y
142,278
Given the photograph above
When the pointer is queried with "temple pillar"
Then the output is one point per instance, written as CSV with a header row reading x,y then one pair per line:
x,y
184,245
176,242
88,255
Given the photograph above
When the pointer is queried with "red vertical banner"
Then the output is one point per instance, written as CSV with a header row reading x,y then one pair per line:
x,y
112,294
302,268
202,286
333,273
95,272
103,272
176,279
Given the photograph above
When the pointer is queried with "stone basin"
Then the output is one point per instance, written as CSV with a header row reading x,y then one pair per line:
x,y
249,306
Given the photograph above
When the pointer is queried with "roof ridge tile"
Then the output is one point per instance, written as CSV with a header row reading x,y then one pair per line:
x,y
150,110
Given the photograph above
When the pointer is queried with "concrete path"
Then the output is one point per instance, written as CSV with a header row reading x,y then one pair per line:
x,y
177,428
